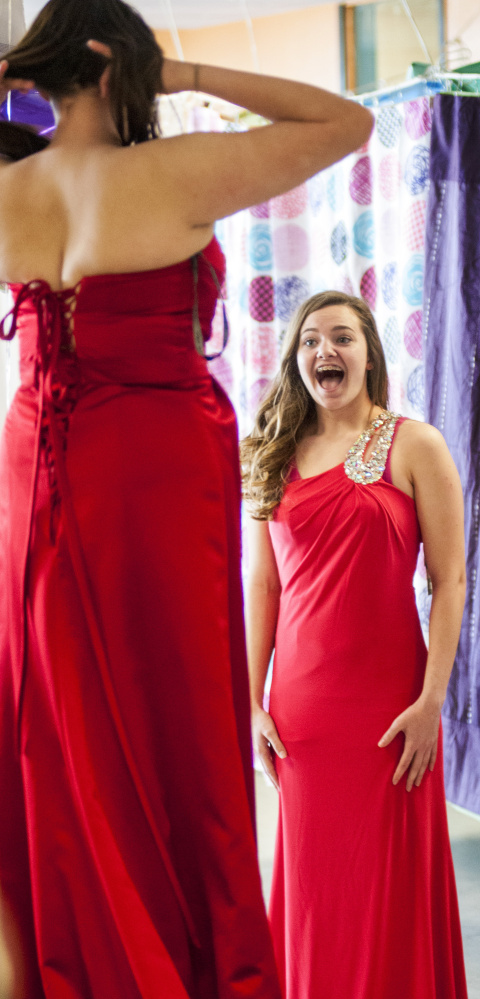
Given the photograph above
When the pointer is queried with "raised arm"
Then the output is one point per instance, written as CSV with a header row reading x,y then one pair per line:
x,y
439,502
261,609
312,129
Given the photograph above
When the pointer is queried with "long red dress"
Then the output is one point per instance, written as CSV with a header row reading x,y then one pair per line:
x,y
127,852
363,902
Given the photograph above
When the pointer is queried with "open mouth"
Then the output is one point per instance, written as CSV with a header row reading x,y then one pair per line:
x,y
329,376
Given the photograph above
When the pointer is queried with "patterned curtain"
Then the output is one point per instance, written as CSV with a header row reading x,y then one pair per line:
x,y
357,227
452,347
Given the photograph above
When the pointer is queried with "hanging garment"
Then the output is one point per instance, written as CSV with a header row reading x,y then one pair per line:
x,y
127,853
363,901
452,397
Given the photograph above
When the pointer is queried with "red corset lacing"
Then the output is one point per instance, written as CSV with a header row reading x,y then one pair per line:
x,y
57,398
58,389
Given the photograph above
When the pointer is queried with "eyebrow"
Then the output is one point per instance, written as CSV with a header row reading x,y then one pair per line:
x,y
335,329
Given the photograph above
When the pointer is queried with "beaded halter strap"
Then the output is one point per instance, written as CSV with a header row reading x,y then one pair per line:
x,y
371,470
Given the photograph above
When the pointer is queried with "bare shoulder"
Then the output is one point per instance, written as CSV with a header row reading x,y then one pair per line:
x,y
424,456
418,437
192,149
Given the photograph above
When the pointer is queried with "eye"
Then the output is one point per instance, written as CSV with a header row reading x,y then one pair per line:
x,y
309,341
344,339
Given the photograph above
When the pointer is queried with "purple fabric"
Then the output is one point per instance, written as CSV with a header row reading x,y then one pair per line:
x,y
452,376
29,109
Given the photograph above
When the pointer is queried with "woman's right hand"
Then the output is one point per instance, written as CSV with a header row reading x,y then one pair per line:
x,y
24,86
267,743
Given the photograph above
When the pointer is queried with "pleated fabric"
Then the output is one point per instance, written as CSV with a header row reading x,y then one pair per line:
x,y
363,901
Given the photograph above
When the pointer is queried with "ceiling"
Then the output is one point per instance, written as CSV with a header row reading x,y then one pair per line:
x,y
197,13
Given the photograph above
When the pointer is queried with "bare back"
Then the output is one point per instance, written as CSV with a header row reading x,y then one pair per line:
x,y
86,205
67,213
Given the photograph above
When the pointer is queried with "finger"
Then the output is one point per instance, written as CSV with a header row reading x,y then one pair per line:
x,y
270,733
277,746
421,774
417,770
268,765
405,761
99,47
389,735
433,756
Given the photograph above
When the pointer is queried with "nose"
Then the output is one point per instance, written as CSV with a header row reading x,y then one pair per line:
x,y
325,349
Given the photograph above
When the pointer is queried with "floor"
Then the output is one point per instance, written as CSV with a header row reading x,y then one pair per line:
x,y
465,840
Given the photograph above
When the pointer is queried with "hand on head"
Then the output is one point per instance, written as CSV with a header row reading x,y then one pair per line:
x,y
24,86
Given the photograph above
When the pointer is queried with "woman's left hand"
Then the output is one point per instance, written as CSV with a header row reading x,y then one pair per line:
x,y
24,86
419,724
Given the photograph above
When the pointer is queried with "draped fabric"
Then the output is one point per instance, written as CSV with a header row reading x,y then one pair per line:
x,y
452,383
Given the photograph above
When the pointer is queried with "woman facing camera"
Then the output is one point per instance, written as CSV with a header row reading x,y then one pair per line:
x,y
341,493
127,853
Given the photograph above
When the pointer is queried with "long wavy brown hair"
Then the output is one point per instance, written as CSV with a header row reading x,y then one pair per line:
x,y
288,410
54,54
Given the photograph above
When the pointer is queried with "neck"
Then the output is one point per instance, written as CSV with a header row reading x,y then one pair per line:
x,y
85,119
350,419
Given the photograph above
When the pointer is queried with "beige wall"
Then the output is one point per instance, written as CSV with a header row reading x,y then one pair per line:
x,y
463,23
300,45
305,44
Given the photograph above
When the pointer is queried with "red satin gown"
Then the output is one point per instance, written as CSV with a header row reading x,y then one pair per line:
x,y
127,853
363,902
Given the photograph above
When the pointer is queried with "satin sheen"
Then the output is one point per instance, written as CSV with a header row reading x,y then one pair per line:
x,y
363,902
127,852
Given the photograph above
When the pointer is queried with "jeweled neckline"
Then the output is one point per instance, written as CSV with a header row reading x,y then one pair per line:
x,y
369,471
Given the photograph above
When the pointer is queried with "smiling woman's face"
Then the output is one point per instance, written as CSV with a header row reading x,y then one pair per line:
x,y
332,357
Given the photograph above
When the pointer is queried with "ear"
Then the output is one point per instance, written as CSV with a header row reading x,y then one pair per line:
x,y
106,52
369,365
104,83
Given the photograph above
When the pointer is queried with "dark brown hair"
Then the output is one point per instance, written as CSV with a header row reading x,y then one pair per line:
x,y
54,54
288,409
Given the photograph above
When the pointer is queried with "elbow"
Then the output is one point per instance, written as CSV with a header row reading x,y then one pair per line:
x,y
362,125
268,587
454,584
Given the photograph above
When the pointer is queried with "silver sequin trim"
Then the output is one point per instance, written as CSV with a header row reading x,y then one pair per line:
x,y
372,470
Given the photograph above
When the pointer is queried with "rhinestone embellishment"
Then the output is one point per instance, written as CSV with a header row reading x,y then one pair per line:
x,y
372,470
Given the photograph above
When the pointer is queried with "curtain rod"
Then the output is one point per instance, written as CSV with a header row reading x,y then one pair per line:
x,y
420,86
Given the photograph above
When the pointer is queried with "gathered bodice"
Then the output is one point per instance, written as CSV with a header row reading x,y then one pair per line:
x,y
133,328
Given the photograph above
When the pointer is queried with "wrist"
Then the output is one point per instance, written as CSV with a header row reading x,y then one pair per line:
x,y
179,76
433,696
256,707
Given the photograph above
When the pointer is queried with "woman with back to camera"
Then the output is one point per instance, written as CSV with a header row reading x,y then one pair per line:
x,y
127,856
341,492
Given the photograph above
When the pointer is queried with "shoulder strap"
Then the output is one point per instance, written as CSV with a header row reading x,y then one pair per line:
x,y
197,328
387,474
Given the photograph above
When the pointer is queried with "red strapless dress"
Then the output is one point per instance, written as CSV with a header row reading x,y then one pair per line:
x,y
363,902
127,853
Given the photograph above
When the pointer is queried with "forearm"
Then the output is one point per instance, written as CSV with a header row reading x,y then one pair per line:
x,y
445,621
261,613
272,98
